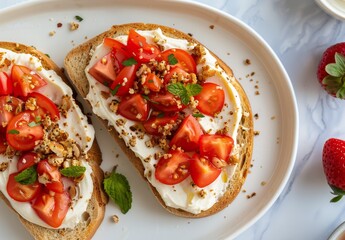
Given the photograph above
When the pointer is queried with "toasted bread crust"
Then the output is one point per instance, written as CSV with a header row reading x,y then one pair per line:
x,y
96,208
75,64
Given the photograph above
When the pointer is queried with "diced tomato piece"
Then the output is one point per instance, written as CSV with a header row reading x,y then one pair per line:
x,y
165,102
211,99
9,107
52,209
119,56
103,70
23,132
20,192
46,104
125,80
134,107
6,85
3,144
52,175
155,123
188,134
174,169
153,82
179,58
202,171
27,160
25,80
113,43
214,145
138,47
176,73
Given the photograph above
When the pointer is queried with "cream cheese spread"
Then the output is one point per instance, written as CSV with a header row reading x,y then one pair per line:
x,y
183,195
78,129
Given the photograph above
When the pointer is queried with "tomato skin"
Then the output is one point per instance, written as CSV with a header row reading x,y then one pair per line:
x,y
184,59
174,71
6,85
165,102
5,115
202,171
46,104
52,174
211,99
142,51
188,134
26,137
173,170
20,192
214,145
113,43
52,209
119,55
27,160
125,80
133,105
103,70
3,145
153,123
153,82
25,80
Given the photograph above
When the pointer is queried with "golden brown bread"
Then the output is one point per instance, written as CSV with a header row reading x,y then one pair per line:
x,y
94,214
75,64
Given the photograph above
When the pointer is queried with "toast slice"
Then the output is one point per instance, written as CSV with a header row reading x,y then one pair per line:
x,y
77,60
94,213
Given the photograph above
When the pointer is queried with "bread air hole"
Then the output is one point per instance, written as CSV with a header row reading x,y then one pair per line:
x,y
86,218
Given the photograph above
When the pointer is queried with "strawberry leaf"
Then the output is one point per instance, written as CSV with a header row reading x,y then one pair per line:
x,y
340,60
336,199
334,70
339,193
341,93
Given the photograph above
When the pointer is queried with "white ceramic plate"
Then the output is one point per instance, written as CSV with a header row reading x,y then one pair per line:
x,y
336,8
231,40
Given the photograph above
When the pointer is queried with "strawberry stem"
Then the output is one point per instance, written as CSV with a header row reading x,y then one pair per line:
x,y
338,192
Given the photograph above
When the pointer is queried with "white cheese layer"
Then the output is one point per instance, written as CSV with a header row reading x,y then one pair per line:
x,y
183,195
75,124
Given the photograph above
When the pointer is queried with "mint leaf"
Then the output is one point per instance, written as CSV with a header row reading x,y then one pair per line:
x,y
172,59
177,89
129,62
74,171
13,131
184,92
193,89
27,176
118,189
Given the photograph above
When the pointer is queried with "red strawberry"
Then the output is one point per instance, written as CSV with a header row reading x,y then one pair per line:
x,y
331,70
333,158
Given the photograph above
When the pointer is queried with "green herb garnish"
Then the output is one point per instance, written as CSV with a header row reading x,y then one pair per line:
x,y
184,92
198,115
117,187
79,18
129,62
34,124
115,90
27,176
13,131
172,59
74,171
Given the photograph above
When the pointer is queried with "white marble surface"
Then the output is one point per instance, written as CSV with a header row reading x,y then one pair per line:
x,y
298,31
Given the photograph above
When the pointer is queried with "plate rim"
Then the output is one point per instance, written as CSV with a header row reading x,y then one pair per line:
x,y
234,20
